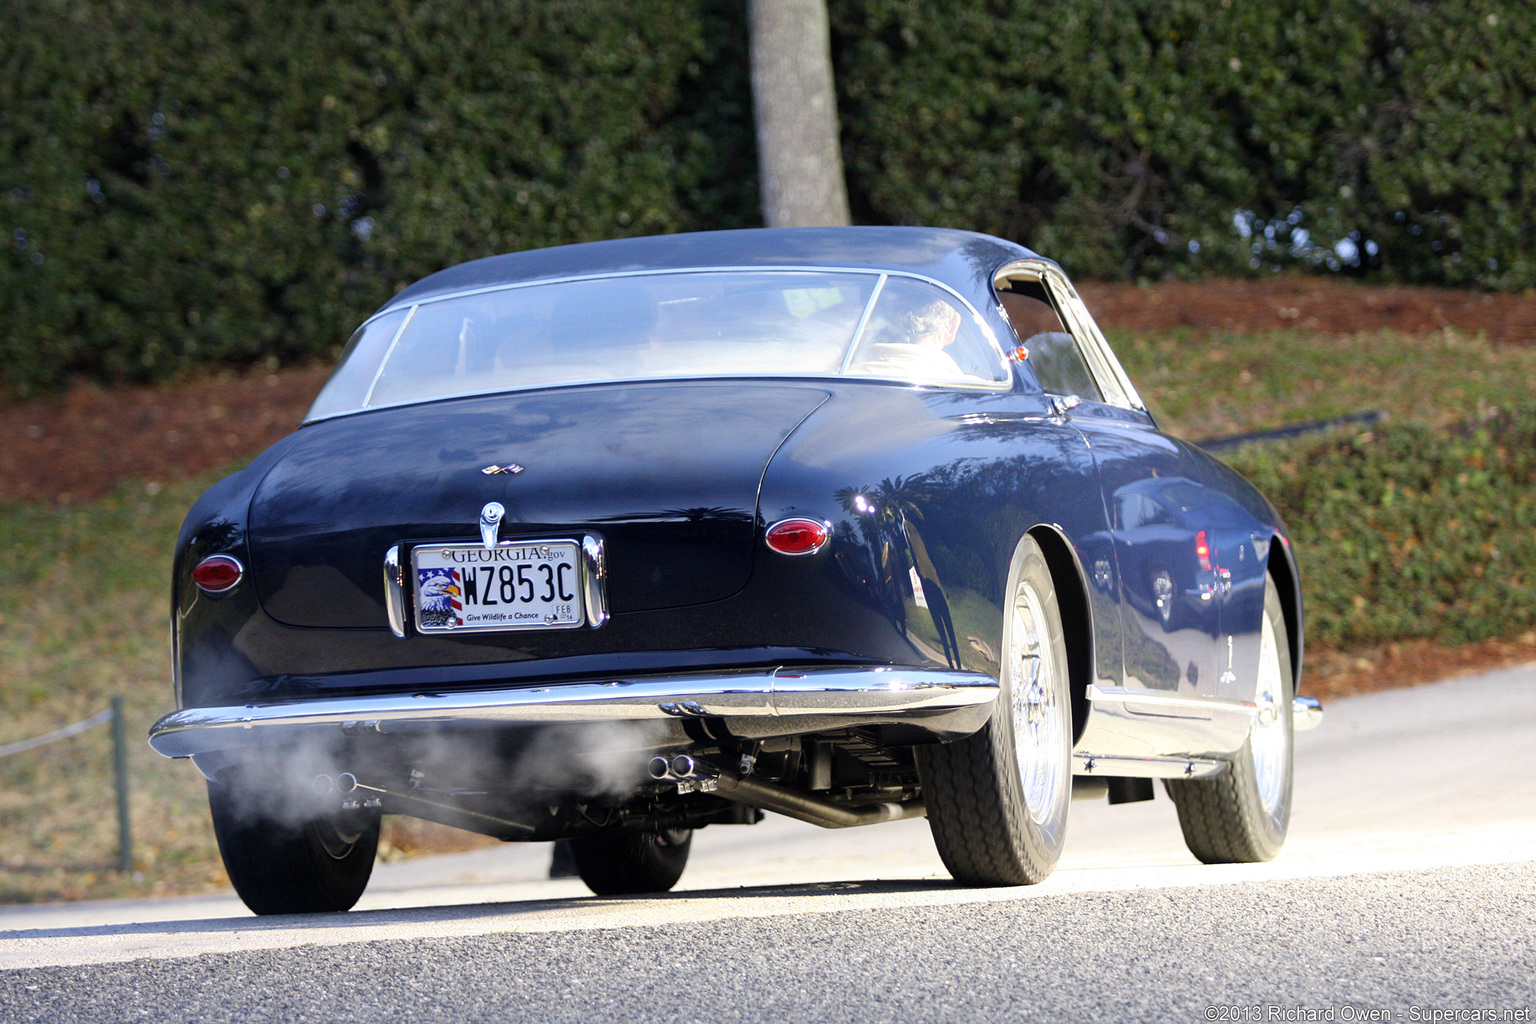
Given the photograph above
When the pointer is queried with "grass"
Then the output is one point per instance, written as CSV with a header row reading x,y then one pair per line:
x,y
83,616
83,594
1211,384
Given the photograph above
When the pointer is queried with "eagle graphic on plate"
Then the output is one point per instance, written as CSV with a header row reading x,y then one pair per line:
x,y
441,597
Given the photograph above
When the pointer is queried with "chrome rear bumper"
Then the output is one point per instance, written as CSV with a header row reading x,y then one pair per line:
x,y
944,702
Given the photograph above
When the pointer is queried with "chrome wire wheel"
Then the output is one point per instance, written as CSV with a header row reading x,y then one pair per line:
x,y
1270,740
997,800
1038,716
1242,815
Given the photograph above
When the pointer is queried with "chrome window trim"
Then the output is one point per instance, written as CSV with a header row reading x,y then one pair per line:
x,y
1005,383
808,378
858,328
1113,382
388,352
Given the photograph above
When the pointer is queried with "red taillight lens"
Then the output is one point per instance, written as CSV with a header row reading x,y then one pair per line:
x,y
798,536
1202,550
217,573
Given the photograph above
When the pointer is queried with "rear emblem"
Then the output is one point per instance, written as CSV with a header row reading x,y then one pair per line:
x,y
511,467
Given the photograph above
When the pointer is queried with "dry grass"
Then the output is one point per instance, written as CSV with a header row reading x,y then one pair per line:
x,y
83,616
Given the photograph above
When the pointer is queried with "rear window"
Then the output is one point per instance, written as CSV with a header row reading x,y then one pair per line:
x,y
649,326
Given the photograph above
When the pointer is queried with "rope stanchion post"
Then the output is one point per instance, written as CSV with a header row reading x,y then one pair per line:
x,y
120,772
114,714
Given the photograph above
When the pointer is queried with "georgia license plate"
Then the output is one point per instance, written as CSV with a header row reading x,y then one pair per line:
x,y
467,588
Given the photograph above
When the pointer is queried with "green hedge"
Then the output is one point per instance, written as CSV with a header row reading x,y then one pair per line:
x,y
1149,137
1406,532
227,181
189,182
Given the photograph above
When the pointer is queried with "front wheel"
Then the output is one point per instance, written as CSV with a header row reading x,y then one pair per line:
x,y
290,860
997,801
1241,816
627,863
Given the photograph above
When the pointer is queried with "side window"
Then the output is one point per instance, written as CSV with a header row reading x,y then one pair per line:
x,y
1053,352
916,332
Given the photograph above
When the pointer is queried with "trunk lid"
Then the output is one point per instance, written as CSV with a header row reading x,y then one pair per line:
x,y
667,473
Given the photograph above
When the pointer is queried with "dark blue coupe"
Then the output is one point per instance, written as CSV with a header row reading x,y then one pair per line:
x,y
610,542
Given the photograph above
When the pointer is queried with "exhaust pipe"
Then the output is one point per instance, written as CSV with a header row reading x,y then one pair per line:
x,y
357,794
695,776
690,775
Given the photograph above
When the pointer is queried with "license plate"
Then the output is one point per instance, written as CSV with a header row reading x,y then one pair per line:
x,y
464,588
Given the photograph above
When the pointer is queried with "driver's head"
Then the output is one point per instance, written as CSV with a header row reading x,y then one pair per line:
x,y
933,324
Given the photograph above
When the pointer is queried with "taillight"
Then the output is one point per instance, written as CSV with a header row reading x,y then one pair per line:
x,y
1202,550
798,536
217,573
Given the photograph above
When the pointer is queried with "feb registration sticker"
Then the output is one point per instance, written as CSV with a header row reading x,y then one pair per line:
x,y
469,588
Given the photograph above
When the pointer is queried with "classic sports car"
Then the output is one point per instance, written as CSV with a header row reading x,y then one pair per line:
x,y
613,541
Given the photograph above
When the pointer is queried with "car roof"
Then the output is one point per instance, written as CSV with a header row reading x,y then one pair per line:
x,y
963,260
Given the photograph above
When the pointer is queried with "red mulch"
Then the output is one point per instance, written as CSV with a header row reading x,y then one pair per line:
x,y
1329,673
84,443
1314,304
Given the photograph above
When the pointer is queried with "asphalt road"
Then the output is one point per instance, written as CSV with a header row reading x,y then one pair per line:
x,y
1406,892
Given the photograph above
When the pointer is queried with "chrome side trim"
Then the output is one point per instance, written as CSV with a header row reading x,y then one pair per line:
x,y
1194,704
394,591
1307,712
1147,767
861,693
594,554
1125,721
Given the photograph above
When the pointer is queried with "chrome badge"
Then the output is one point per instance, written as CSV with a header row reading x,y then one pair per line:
x,y
511,467
490,523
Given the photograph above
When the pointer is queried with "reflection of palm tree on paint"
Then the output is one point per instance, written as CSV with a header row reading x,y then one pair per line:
x,y
440,597
885,514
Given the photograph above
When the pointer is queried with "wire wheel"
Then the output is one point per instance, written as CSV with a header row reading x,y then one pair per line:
x,y
997,801
1242,815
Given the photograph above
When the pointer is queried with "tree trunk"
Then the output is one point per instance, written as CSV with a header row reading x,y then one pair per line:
x,y
800,164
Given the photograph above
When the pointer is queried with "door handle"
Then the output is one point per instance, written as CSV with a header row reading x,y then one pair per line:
x,y
1063,404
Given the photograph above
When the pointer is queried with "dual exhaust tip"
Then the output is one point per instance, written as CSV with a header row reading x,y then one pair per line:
x,y
682,766
346,782
690,775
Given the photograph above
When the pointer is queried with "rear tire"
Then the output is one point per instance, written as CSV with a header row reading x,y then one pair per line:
x,y
628,863
301,864
997,801
1242,815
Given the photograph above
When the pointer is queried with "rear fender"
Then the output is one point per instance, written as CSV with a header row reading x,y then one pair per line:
x,y
1288,581
1076,617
